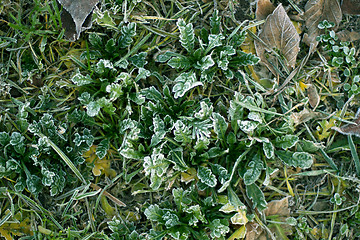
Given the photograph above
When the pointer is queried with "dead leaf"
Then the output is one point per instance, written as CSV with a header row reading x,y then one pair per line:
x,y
279,208
76,16
347,36
263,9
351,7
317,11
350,129
280,35
313,95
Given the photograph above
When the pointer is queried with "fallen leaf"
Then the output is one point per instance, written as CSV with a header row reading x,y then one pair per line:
x,y
313,95
263,9
347,36
350,129
280,35
278,207
76,16
317,11
240,233
351,7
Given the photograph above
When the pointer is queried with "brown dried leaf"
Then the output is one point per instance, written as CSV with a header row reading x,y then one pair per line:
x,y
280,34
317,11
351,7
350,129
313,95
263,9
76,16
278,207
347,36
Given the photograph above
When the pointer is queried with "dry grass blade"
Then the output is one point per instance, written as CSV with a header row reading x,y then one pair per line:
x,y
317,11
280,34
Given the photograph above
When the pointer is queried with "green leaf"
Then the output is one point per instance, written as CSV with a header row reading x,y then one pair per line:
x,y
205,111
206,62
86,138
215,21
268,148
181,197
128,32
180,62
110,45
187,36
155,166
247,126
115,90
154,213
182,132
219,228
257,196
206,176
95,39
253,173
80,79
171,219
196,215
215,40
102,148
4,138
17,141
184,83
33,184
297,159
104,66
286,141
220,125
176,157
139,60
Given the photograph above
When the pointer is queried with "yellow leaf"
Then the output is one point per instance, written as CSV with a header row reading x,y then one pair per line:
x,y
109,210
101,166
239,218
189,175
238,234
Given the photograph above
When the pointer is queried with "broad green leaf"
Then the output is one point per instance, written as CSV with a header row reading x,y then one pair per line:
x,y
171,219
104,66
196,213
255,168
102,148
297,159
93,108
244,59
206,176
33,184
181,197
286,141
257,196
309,146
17,141
80,79
85,98
110,45
234,199
215,40
184,83
95,39
182,132
180,62
205,111
247,126
268,148
4,138
187,36
206,62
154,213
218,228
142,74
155,166
139,60
176,157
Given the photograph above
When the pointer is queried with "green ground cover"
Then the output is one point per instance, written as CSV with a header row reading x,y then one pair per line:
x,y
179,120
